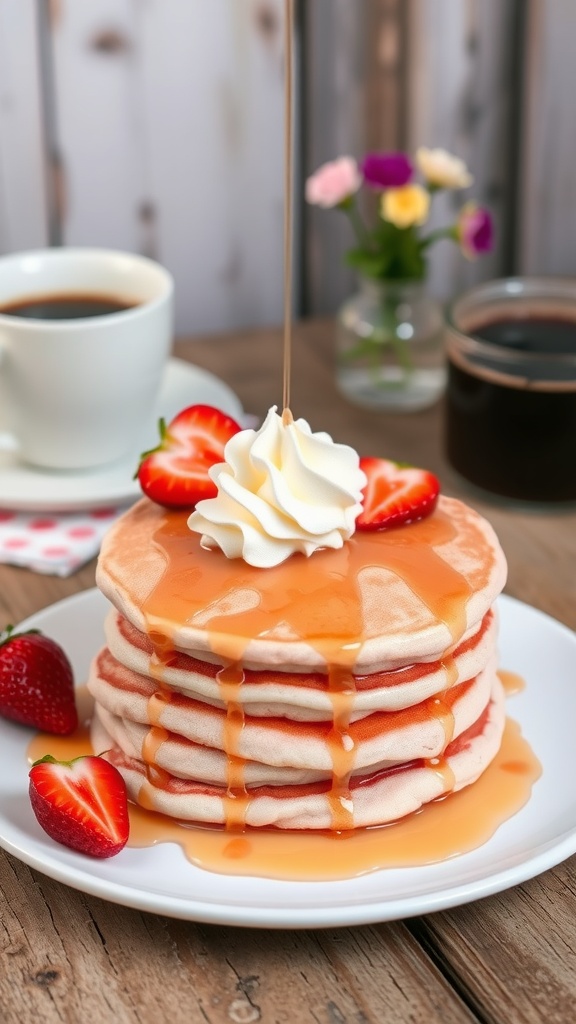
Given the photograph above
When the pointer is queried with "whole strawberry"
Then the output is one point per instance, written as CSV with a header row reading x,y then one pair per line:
x,y
81,803
36,682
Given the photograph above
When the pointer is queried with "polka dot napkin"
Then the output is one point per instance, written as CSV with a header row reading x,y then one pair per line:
x,y
53,544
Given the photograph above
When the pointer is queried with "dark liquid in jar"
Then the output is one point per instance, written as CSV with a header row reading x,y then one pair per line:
x,y
516,441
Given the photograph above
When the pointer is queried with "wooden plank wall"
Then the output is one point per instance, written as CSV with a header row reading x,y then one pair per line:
x,y
167,133
547,175
183,156
353,74
23,203
460,90
170,127
334,125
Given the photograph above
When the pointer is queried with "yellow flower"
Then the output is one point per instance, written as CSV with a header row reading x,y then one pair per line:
x,y
405,206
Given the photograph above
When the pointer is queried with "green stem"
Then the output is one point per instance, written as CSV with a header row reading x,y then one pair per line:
x,y
360,229
398,344
435,236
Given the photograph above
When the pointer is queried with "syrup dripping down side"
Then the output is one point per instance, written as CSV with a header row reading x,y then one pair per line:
x,y
441,830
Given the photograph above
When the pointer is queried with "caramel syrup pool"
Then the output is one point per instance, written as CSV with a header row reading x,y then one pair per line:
x,y
445,828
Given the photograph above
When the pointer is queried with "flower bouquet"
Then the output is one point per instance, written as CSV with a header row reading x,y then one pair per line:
x,y
391,335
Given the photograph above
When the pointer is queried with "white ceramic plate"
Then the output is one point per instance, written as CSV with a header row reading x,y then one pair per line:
x,y
160,879
34,490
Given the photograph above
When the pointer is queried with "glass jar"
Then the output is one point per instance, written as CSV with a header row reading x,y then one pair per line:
x,y
390,346
510,425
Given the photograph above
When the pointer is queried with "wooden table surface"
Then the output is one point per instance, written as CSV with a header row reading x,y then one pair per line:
x,y
510,958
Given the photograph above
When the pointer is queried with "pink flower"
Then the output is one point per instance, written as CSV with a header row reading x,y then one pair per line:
x,y
474,230
333,182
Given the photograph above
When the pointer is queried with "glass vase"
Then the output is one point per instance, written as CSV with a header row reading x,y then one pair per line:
x,y
390,346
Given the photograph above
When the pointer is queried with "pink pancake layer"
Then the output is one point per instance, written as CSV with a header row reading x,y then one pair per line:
x,y
305,696
376,798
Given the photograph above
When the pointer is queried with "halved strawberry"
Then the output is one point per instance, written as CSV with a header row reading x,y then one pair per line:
x,y
81,803
36,682
395,494
175,474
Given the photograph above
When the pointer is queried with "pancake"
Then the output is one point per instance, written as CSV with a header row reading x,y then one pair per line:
x,y
387,599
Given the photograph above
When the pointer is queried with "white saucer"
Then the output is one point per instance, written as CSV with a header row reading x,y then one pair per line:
x,y
29,489
161,880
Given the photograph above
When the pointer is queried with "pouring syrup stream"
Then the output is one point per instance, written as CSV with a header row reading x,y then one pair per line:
x,y
288,204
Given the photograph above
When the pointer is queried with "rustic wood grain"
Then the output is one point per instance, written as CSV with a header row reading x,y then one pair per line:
x,y
70,957
170,129
23,198
516,950
547,220
22,592
459,96
67,957
335,55
384,75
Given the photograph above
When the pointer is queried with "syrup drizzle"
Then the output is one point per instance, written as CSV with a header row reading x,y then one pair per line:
x,y
444,714
162,654
342,748
230,679
153,740
236,602
450,668
440,767
511,681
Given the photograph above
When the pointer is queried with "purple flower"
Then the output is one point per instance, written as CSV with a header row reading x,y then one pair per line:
x,y
474,230
386,170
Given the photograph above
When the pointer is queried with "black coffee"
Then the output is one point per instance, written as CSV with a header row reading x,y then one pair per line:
x,y
65,306
519,442
544,335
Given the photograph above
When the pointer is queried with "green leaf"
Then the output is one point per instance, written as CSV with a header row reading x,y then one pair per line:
x,y
368,263
390,254
8,634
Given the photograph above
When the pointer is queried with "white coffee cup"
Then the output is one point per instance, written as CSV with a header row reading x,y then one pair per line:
x,y
76,393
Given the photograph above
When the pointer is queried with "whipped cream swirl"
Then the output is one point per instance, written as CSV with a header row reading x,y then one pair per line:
x,y
281,489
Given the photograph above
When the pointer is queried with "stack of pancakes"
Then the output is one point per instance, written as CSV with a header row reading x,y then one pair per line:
x,y
343,690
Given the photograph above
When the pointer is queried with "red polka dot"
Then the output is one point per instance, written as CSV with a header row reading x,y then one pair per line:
x,y
15,542
42,524
103,513
81,531
55,552
5,517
